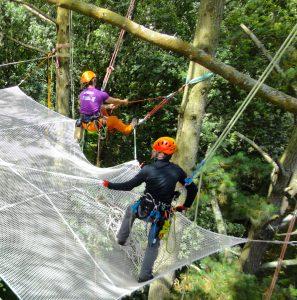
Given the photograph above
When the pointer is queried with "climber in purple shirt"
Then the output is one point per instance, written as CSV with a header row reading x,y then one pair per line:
x,y
92,102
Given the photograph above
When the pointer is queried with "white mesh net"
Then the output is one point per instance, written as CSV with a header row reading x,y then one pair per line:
x,y
57,229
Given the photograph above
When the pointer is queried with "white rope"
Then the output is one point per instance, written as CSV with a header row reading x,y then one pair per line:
x,y
135,143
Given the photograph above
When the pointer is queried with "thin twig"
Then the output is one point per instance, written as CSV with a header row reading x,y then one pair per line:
x,y
36,11
26,45
265,155
260,46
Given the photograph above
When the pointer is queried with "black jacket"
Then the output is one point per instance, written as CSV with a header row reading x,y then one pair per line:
x,y
160,178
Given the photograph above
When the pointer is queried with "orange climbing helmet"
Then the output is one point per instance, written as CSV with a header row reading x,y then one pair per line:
x,y
165,144
87,76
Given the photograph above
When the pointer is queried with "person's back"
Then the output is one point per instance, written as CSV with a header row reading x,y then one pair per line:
x,y
161,179
91,100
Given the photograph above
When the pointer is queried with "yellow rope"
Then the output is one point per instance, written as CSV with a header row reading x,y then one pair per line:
x,y
49,81
50,54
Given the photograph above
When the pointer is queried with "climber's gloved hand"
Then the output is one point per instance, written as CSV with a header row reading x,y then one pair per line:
x,y
180,208
103,183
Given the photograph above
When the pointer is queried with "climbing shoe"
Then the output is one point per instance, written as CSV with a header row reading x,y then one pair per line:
x,y
122,243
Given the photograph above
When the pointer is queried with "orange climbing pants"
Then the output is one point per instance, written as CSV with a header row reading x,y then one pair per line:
x,y
112,123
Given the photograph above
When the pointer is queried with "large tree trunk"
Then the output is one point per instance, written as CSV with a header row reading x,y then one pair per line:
x,y
192,108
63,62
181,47
194,98
252,254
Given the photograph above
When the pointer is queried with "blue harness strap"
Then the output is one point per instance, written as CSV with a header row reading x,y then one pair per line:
x,y
155,217
135,206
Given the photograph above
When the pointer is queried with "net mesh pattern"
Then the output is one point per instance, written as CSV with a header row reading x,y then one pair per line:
x,y
57,228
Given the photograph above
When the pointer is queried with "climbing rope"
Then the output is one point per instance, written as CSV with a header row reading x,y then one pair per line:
x,y
282,255
170,96
117,46
50,54
23,61
198,198
200,167
49,81
135,143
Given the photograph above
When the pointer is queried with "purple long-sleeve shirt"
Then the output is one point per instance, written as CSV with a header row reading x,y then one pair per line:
x,y
91,100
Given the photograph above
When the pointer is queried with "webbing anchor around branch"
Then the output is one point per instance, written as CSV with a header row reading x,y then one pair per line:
x,y
171,95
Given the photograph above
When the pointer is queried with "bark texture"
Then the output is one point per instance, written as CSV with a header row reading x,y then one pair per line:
x,y
194,99
63,62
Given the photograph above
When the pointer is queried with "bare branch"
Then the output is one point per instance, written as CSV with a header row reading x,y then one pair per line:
x,y
261,47
265,155
26,45
37,12
183,48
273,264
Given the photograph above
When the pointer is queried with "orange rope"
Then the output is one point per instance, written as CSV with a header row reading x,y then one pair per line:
x,y
117,47
50,54
281,257
162,103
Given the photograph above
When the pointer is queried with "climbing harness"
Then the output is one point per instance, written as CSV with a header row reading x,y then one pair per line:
x,y
150,211
94,123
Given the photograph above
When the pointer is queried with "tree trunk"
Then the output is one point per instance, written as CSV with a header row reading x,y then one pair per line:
x,y
183,48
63,62
192,107
194,98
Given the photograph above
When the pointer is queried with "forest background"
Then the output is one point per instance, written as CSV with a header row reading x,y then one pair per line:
x,y
238,176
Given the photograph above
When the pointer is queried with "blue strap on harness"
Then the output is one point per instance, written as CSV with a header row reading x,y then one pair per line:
x,y
135,206
189,180
156,216
153,217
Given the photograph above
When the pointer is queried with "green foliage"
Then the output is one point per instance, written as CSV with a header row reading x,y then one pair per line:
x,y
2,286
5,292
240,184
237,176
213,279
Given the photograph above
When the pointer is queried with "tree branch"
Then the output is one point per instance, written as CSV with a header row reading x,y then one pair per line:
x,y
37,12
273,264
26,45
260,46
183,48
265,155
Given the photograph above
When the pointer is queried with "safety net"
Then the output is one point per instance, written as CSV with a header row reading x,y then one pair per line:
x,y
58,228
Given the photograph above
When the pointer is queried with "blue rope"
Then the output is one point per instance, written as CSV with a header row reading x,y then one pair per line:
x,y
189,180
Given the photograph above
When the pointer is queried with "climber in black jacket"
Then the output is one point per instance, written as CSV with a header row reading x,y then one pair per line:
x,y
160,178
